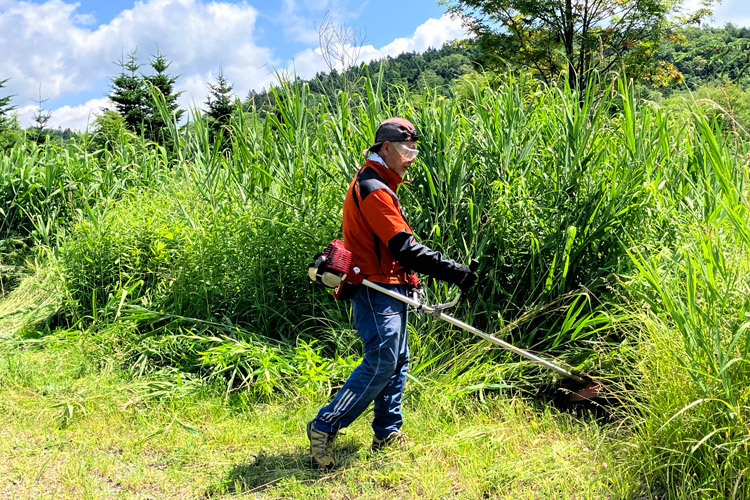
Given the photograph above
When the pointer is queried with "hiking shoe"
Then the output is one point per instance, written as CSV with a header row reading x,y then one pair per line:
x,y
321,446
395,438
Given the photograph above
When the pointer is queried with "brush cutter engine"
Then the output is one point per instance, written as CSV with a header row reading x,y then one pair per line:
x,y
334,267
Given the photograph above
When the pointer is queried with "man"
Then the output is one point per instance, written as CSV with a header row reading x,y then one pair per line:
x,y
383,247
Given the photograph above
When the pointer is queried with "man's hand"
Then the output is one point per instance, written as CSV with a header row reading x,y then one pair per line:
x,y
470,277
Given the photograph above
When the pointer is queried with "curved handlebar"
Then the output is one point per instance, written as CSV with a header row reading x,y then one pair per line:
x,y
438,309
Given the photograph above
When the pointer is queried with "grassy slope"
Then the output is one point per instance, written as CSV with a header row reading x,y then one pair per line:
x,y
74,426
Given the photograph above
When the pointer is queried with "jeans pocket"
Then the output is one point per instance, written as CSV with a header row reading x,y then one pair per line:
x,y
383,305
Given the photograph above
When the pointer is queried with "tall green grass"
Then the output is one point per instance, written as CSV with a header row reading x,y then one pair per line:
x,y
696,388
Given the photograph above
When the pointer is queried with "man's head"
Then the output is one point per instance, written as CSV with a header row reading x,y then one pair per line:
x,y
396,143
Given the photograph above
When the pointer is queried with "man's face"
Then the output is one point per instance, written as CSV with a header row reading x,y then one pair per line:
x,y
394,158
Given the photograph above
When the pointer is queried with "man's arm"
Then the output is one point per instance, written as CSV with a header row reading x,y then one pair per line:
x,y
422,259
389,226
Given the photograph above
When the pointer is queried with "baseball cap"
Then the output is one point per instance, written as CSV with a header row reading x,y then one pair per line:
x,y
394,130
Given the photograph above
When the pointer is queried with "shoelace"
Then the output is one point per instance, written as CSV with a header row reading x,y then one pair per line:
x,y
321,440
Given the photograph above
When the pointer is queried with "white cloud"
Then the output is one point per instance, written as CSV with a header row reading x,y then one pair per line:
x,y
45,43
84,19
26,114
433,33
73,117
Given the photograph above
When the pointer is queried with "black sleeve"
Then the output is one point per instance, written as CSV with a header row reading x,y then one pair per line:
x,y
421,259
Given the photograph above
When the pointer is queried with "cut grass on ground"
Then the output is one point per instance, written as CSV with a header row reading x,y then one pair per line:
x,y
33,301
75,427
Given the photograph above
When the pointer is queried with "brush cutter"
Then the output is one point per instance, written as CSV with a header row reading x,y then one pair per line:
x,y
334,268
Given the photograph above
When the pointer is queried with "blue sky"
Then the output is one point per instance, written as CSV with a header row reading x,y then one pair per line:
x,y
381,20
70,48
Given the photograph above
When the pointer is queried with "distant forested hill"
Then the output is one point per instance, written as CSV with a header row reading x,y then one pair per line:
x,y
437,69
710,55
703,56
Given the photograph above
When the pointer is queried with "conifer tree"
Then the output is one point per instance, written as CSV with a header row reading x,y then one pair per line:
x,y
155,123
220,107
129,94
10,131
41,117
5,106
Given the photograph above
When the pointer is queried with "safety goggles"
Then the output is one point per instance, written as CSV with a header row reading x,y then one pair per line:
x,y
405,151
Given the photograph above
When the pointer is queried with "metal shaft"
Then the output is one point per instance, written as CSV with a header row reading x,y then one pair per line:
x,y
450,319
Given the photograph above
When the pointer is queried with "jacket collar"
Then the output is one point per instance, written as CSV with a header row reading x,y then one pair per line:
x,y
389,176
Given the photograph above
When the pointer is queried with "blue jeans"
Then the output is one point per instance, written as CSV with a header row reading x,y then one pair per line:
x,y
381,323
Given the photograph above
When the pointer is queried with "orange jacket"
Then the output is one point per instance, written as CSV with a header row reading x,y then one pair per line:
x,y
372,216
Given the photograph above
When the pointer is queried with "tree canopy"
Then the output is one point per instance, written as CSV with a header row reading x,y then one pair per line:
x,y
155,123
574,37
10,131
710,55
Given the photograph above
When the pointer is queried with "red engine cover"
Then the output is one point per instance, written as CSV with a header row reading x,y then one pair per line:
x,y
338,258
